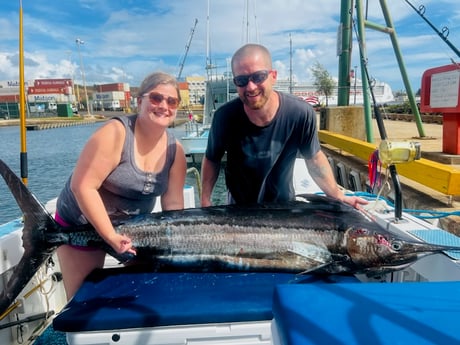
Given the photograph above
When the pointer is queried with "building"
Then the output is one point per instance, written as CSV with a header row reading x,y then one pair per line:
x,y
196,90
42,96
113,97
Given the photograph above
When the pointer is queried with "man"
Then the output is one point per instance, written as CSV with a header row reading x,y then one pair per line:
x,y
262,132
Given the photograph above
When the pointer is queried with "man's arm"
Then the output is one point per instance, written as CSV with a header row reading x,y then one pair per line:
x,y
321,172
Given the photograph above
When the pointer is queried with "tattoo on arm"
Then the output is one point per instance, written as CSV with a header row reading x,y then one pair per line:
x,y
319,171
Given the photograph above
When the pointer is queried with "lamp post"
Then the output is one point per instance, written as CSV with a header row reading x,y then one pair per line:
x,y
79,42
69,52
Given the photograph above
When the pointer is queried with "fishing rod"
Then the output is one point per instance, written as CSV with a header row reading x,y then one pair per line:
x,y
444,31
382,131
44,315
383,136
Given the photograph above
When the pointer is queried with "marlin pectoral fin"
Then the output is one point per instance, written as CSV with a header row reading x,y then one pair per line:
x,y
312,252
315,268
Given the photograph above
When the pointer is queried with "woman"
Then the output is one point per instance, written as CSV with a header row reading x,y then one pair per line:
x,y
123,167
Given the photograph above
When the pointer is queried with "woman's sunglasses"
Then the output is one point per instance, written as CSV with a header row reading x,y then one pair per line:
x,y
257,78
156,98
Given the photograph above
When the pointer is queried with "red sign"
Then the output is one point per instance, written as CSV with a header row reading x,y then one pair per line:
x,y
440,93
441,89
52,82
43,90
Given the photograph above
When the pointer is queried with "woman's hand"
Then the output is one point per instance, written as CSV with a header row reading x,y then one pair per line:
x,y
121,244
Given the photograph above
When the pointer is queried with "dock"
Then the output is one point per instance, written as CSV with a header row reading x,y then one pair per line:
x,y
59,124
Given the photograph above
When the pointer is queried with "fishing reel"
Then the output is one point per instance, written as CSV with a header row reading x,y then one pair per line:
x,y
393,152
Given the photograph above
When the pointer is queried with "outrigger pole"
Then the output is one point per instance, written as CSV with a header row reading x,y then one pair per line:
x,y
22,100
344,64
383,136
344,68
443,33
344,38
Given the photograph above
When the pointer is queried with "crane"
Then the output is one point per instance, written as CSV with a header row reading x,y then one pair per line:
x,y
187,47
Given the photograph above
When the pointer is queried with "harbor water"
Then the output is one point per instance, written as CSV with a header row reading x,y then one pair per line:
x,y
52,154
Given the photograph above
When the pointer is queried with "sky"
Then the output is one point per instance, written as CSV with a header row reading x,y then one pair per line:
x,y
125,40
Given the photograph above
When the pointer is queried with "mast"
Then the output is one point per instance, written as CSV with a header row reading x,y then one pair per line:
x,y
290,63
208,62
208,94
247,21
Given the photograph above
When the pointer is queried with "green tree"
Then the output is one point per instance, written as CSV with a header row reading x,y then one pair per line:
x,y
322,80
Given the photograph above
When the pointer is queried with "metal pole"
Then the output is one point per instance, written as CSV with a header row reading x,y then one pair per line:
x,y
71,76
364,80
344,53
402,68
22,100
79,43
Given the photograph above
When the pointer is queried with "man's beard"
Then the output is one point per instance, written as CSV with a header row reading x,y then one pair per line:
x,y
263,99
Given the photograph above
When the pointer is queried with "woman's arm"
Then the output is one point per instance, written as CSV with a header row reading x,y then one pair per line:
x,y
173,199
98,159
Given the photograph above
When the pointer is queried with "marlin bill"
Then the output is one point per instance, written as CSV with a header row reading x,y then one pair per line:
x,y
317,235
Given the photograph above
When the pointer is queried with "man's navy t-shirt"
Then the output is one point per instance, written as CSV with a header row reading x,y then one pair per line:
x,y
260,160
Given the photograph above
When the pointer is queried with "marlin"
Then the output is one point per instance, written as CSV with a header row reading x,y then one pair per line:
x,y
317,234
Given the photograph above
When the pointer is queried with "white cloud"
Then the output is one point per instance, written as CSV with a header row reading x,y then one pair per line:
x,y
129,39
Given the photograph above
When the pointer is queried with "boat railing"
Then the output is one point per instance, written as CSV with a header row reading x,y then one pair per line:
x,y
193,128
196,173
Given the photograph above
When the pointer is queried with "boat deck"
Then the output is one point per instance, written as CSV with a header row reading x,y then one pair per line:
x,y
436,173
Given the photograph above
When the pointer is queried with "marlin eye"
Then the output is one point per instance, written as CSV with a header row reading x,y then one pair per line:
x,y
396,245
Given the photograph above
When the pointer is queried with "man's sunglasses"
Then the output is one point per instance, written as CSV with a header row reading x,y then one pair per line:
x,y
156,98
257,78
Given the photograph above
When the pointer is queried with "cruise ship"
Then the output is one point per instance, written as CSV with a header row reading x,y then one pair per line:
x,y
382,91
221,90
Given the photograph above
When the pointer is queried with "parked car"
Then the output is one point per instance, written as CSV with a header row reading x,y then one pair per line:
x,y
4,114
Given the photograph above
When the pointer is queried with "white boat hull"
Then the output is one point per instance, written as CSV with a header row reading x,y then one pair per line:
x,y
435,268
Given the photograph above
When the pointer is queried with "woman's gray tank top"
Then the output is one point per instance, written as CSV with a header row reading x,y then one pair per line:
x,y
127,190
